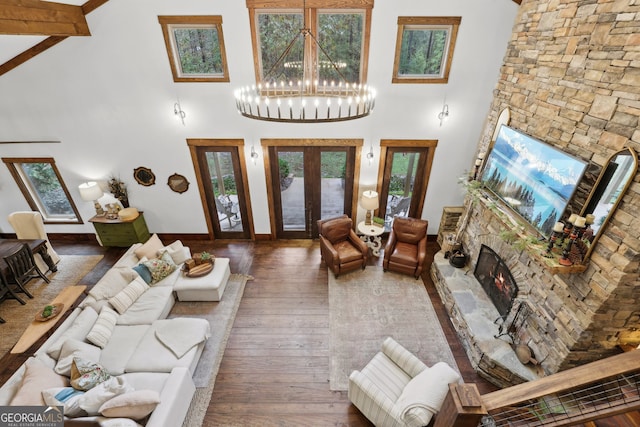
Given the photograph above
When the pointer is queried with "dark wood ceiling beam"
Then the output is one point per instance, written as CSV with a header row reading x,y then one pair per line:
x,y
33,17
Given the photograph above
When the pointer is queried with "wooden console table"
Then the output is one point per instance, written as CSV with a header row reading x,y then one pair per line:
x,y
37,330
116,232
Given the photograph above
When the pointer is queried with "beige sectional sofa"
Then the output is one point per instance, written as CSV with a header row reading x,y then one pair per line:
x,y
121,326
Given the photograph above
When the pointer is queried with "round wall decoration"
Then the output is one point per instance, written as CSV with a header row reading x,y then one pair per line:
x,y
178,183
144,176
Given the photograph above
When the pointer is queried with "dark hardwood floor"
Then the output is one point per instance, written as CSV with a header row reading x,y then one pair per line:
x,y
275,368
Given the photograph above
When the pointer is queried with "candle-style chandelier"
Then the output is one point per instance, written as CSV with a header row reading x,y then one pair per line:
x,y
305,101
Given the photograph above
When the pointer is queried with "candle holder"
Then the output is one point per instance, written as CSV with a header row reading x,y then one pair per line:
x,y
552,241
565,233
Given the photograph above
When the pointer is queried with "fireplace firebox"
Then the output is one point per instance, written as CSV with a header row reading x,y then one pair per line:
x,y
496,280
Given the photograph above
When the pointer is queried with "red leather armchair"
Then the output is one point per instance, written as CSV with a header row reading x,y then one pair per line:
x,y
406,248
341,248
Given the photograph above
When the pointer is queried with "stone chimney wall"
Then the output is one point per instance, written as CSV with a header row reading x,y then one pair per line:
x,y
571,78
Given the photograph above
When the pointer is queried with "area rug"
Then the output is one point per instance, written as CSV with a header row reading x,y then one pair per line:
x,y
367,306
71,270
221,316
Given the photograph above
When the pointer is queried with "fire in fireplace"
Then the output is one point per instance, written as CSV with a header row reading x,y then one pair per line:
x,y
496,280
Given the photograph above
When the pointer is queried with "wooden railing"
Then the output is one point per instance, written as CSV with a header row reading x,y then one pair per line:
x,y
596,390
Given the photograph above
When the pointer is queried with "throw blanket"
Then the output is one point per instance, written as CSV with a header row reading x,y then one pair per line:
x,y
181,334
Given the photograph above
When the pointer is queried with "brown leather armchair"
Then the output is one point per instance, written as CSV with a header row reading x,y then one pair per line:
x,y
406,248
341,248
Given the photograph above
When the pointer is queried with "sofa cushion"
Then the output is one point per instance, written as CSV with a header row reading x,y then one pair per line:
x,y
78,330
96,397
150,248
37,377
135,404
68,397
102,329
129,259
123,343
86,374
112,282
123,299
160,267
75,348
336,230
150,306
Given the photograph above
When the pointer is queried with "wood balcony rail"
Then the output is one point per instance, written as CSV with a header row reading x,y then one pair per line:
x,y
596,390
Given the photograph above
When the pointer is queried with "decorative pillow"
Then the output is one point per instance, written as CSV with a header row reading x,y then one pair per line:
x,y
150,248
96,397
68,397
101,332
179,253
113,281
136,404
86,374
37,377
143,272
79,329
75,348
123,300
423,396
160,268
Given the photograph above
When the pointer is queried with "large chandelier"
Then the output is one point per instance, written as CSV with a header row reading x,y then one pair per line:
x,y
305,101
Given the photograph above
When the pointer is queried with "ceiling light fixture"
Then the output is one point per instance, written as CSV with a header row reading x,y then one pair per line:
x,y
305,101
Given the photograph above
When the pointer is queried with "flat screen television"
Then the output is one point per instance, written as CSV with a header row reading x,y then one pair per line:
x,y
535,179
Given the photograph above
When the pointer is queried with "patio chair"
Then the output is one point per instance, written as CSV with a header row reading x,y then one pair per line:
x,y
228,208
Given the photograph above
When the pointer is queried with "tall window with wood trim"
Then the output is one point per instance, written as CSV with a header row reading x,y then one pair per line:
x,y
44,189
343,39
424,49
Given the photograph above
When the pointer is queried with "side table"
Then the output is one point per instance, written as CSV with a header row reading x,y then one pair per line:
x,y
117,232
370,234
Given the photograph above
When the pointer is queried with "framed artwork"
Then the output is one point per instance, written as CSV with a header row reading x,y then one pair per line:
x,y
195,46
534,179
144,176
424,49
178,183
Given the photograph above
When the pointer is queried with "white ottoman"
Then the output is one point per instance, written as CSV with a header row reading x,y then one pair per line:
x,y
205,288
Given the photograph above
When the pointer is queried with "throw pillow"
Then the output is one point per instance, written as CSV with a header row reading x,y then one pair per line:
x,y
150,248
113,281
101,332
96,397
123,299
68,397
37,377
79,329
136,404
75,348
143,272
160,268
179,253
86,374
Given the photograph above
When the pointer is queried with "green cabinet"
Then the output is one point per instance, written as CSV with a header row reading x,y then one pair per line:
x,y
114,232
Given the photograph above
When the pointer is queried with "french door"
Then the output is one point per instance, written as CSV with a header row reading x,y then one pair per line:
x,y
309,183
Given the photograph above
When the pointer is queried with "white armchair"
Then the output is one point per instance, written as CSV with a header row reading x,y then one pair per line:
x,y
29,225
397,389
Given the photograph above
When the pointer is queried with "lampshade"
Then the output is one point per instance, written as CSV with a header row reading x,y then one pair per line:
x,y
90,191
370,200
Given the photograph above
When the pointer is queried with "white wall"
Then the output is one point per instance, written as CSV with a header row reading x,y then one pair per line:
x,y
109,99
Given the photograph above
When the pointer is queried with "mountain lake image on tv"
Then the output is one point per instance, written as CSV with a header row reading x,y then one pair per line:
x,y
533,178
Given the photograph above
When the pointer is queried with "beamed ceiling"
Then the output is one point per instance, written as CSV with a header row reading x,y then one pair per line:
x,y
29,27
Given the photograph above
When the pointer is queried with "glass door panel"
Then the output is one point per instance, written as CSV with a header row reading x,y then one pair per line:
x,y
403,175
292,190
333,166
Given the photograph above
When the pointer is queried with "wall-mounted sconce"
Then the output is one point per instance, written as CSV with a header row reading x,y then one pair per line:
x,y
254,154
370,155
444,113
178,112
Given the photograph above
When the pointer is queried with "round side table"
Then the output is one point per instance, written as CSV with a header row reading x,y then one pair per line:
x,y
370,234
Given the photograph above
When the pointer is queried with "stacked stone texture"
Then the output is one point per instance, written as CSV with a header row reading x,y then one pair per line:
x,y
571,78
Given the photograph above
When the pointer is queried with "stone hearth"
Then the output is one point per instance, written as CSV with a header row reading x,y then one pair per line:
x,y
473,314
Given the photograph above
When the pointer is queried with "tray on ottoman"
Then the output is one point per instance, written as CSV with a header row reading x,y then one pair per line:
x,y
209,287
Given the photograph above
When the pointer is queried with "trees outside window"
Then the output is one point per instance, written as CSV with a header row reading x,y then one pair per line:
x,y
43,188
424,49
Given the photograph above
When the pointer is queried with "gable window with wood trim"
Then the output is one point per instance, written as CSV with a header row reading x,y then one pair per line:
x,y
342,34
44,189
424,49
195,46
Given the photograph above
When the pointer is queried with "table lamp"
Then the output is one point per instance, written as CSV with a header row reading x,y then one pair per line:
x,y
91,191
370,202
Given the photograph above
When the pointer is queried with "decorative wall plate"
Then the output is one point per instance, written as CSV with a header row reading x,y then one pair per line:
x,y
178,183
144,176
